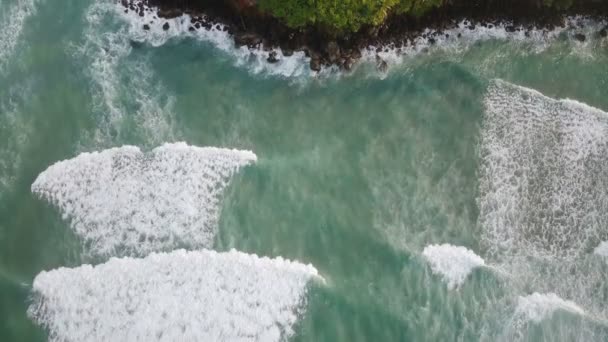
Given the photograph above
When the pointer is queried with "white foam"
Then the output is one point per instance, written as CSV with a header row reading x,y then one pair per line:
x,y
180,296
122,201
543,174
148,109
254,59
538,307
12,23
602,249
453,263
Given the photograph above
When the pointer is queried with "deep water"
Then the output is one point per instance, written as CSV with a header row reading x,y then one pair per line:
x,y
356,172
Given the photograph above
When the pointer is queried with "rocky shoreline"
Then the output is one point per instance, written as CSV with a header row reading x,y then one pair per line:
x,y
259,31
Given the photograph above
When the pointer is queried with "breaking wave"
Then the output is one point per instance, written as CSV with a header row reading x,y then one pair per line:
x,y
543,174
122,201
179,296
452,263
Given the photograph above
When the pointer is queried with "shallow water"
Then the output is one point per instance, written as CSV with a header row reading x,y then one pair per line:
x,y
356,173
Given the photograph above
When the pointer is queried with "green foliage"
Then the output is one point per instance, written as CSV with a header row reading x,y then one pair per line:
x,y
342,15
350,15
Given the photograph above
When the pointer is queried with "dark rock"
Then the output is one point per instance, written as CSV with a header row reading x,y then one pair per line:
x,y
604,32
333,52
432,41
510,28
146,27
315,64
197,25
287,52
191,29
169,13
459,34
166,26
381,64
272,57
471,27
580,37
249,39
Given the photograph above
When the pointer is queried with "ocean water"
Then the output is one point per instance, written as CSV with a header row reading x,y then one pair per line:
x,y
164,185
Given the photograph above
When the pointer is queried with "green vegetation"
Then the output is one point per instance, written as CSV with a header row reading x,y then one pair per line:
x,y
342,15
350,15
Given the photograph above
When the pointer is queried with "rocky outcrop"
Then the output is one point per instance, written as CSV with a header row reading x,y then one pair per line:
x,y
254,29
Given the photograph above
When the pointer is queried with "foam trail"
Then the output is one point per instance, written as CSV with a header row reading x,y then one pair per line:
x,y
15,129
542,174
537,307
122,201
148,110
179,296
453,263
11,25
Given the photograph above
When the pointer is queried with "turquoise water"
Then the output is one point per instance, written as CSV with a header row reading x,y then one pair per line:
x,y
356,174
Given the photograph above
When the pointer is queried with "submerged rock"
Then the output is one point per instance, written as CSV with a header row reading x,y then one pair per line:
x,y
580,37
272,57
166,26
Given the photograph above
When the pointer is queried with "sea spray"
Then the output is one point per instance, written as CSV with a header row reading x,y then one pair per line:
x,y
122,201
177,296
158,31
452,263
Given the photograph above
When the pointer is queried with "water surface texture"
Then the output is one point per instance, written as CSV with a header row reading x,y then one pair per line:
x,y
459,196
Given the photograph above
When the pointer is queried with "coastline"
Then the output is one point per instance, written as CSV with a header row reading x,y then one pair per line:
x,y
256,30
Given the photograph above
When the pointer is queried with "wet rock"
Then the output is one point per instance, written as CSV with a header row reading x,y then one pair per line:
x,y
146,27
191,29
272,57
333,52
381,64
604,32
580,37
287,52
166,26
510,28
315,63
249,39
432,41
169,12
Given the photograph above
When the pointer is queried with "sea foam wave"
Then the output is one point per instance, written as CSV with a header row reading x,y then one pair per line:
x,y
12,23
543,174
537,307
453,263
179,296
122,201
